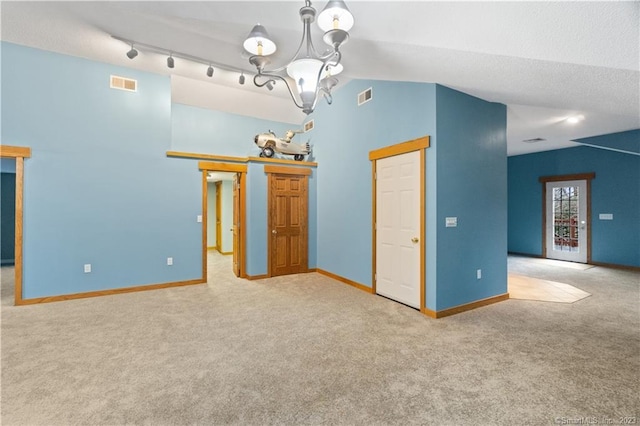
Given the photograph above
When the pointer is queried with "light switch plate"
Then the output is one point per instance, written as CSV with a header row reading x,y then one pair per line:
x,y
87,268
169,261
199,218
451,222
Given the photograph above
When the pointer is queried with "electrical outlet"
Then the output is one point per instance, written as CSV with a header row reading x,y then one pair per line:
x,y
87,268
479,274
169,261
199,218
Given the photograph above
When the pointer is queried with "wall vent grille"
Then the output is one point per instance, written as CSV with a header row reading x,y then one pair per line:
x,y
364,97
308,125
123,83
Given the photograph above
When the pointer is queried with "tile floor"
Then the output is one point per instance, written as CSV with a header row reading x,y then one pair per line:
x,y
528,288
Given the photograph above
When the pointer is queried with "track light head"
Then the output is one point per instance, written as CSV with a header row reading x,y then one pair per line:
x,y
241,79
170,62
132,53
210,71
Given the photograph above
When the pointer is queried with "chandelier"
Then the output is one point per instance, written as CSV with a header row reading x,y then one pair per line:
x,y
313,74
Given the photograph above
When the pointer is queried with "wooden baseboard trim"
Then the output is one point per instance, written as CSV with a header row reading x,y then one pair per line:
x,y
226,253
110,292
312,270
465,307
256,277
616,266
345,280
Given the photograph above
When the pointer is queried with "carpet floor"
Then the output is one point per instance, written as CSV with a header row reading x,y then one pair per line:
x,y
305,349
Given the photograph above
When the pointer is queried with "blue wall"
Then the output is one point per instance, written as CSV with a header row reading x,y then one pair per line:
x,y
465,177
215,132
615,189
342,137
472,186
98,188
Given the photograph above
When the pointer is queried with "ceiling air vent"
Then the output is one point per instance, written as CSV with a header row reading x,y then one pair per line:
x,y
364,97
534,140
123,83
308,126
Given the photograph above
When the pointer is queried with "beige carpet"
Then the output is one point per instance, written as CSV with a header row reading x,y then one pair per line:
x,y
306,349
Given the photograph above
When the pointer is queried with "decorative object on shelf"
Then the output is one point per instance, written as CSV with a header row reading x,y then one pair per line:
x,y
312,73
269,144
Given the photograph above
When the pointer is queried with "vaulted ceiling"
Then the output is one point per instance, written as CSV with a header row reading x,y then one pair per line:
x,y
545,60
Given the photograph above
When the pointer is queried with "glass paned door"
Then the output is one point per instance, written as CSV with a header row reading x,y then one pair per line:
x,y
566,233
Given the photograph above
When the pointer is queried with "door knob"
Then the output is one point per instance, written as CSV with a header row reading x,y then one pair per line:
x,y
414,240
274,232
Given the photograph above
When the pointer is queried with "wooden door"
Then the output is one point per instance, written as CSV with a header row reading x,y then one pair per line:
x,y
236,225
288,224
219,216
398,228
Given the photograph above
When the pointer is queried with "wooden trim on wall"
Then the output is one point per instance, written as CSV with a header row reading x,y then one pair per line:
x,y
222,167
108,292
560,178
19,210
9,151
299,171
205,218
423,231
465,307
419,144
374,216
282,161
256,277
401,148
345,280
243,224
198,156
616,266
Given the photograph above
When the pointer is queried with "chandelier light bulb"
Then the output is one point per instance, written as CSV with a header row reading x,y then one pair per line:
x,y
335,16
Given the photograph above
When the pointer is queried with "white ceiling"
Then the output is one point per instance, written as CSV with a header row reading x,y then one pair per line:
x,y
544,60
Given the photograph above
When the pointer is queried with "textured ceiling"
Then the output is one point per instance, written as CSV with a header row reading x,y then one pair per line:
x,y
544,60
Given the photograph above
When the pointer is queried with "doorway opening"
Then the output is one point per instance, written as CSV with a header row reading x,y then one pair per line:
x,y
13,157
224,213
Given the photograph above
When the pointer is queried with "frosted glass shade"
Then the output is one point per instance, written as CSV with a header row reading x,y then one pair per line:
x,y
335,16
305,73
258,42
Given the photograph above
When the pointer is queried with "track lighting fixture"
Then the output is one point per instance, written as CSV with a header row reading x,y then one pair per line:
x,y
270,85
132,53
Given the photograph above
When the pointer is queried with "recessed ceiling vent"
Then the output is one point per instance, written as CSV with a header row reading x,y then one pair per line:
x,y
534,140
365,96
123,83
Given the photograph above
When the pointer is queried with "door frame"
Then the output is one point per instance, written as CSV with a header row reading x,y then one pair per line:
x,y
419,144
291,171
241,170
218,186
19,153
561,178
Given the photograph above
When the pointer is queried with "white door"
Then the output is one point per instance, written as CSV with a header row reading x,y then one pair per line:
x,y
566,233
398,228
